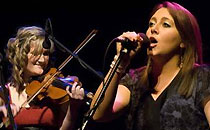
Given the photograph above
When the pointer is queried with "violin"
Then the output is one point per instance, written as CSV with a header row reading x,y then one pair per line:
x,y
52,87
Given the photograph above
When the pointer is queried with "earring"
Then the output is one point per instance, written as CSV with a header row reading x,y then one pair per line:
x,y
181,62
181,57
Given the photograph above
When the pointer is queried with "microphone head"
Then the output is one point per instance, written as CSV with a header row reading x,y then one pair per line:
x,y
46,44
146,41
131,45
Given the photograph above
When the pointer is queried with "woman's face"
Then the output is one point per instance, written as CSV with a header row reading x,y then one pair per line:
x,y
163,34
36,63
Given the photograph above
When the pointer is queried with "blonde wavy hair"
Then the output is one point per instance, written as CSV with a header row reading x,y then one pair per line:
x,y
19,47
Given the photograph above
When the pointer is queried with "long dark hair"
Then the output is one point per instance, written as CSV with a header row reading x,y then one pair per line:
x,y
189,31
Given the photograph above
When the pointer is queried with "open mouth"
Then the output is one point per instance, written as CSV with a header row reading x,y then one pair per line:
x,y
153,40
153,43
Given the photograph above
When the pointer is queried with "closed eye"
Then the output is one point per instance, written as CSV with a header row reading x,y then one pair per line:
x,y
46,53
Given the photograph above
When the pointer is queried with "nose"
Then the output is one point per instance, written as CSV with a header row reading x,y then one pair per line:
x,y
41,58
154,30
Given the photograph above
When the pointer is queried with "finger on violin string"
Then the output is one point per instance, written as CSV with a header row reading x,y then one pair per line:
x,y
79,83
67,90
77,90
73,89
81,93
78,93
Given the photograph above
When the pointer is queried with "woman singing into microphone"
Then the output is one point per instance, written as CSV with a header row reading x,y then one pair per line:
x,y
172,91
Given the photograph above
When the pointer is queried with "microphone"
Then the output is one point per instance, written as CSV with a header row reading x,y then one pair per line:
x,y
131,45
48,31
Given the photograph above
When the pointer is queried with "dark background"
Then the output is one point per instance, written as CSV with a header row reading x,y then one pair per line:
x,y
72,21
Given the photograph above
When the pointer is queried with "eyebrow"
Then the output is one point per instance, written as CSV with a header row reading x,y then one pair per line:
x,y
163,18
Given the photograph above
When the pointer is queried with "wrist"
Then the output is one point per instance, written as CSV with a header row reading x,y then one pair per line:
x,y
121,68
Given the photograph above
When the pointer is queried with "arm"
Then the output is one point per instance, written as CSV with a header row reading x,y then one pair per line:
x,y
117,97
207,111
15,110
4,119
3,109
76,100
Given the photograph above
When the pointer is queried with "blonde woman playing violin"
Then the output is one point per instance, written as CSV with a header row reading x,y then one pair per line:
x,y
28,58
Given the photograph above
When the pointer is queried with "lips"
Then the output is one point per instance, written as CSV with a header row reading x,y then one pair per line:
x,y
153,42
38,66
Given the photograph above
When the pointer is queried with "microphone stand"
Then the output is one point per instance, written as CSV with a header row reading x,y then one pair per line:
x,y
50,36
6,97
86,66
103,90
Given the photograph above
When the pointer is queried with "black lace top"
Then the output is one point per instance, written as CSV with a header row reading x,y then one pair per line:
x,y
173,112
